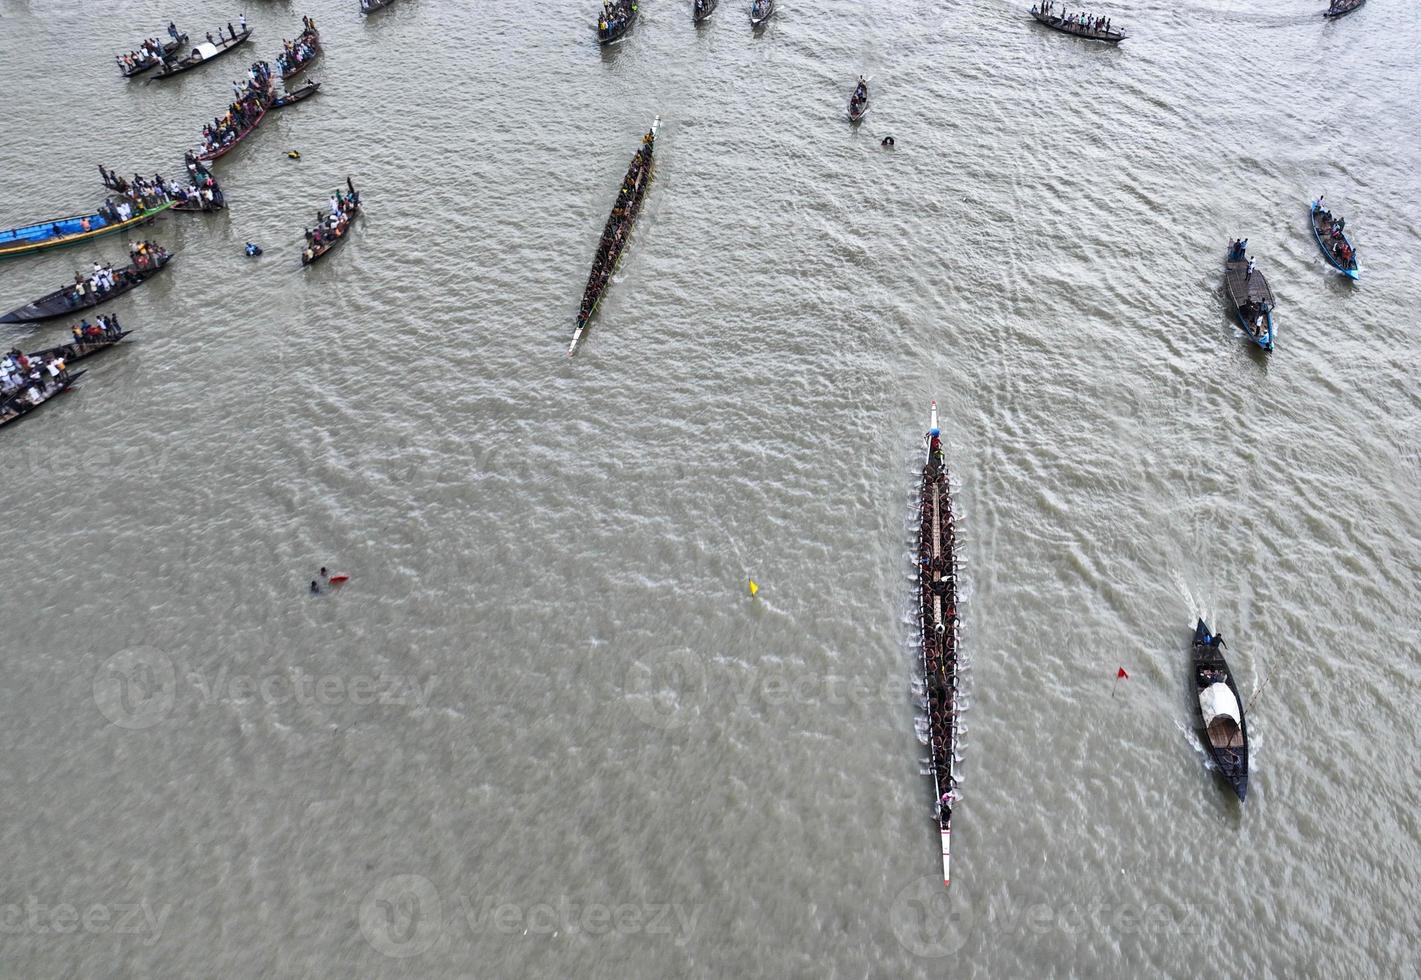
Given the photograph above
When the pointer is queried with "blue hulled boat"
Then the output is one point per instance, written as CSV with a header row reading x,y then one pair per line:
x,y
68,231
1327,232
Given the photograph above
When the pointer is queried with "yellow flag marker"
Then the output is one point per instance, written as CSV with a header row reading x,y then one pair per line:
x,y
754,589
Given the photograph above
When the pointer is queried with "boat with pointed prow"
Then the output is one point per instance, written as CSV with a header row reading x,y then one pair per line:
x,y
615,233
938,634
1220,709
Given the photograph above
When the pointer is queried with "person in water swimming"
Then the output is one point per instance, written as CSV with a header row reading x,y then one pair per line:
x,y
253,249
887,141
315,589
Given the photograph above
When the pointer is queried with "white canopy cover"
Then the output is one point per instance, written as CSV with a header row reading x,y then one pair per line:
x,y
1216,700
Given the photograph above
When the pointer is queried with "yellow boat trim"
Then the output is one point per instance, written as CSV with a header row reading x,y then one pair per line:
x,y
83,236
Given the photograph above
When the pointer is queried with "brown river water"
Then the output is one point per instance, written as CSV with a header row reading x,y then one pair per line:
x,y
544,731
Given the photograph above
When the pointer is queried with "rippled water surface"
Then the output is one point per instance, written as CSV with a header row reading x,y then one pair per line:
x,y
544,731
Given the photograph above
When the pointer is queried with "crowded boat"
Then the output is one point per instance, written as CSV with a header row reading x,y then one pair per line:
x,y
248,106
104,327
331,226
616,19
151,53
27,382
616,231
92,287
297,55
1079,22
858,102
201,193
1332,238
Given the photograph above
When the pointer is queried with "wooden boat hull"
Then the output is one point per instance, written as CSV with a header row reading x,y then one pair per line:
x,y
759,13
222,151
1210,667
297,95
53,305
326,248
622,29
1353,272
8,413
703,15
375,5
172,68
1332,13
1241,288
1056,24
314,38
148,66
938,632
13,243
76,351
614,256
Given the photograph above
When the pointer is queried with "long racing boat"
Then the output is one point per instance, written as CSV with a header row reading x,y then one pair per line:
x,y
938,633
615,233
72,230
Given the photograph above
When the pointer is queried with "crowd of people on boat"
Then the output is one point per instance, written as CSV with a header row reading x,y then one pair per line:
x,y
859,99
1255,314
1081,20
201,193
103,328
938,583
299,52
615,16
250,103
98,282
149,53
609,247
1330,229
27,381
332,225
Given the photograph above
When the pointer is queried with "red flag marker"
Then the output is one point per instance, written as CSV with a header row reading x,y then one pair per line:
x,y
1118,674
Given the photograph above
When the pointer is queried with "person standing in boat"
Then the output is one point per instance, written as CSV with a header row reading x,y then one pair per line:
x,y
1248,273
